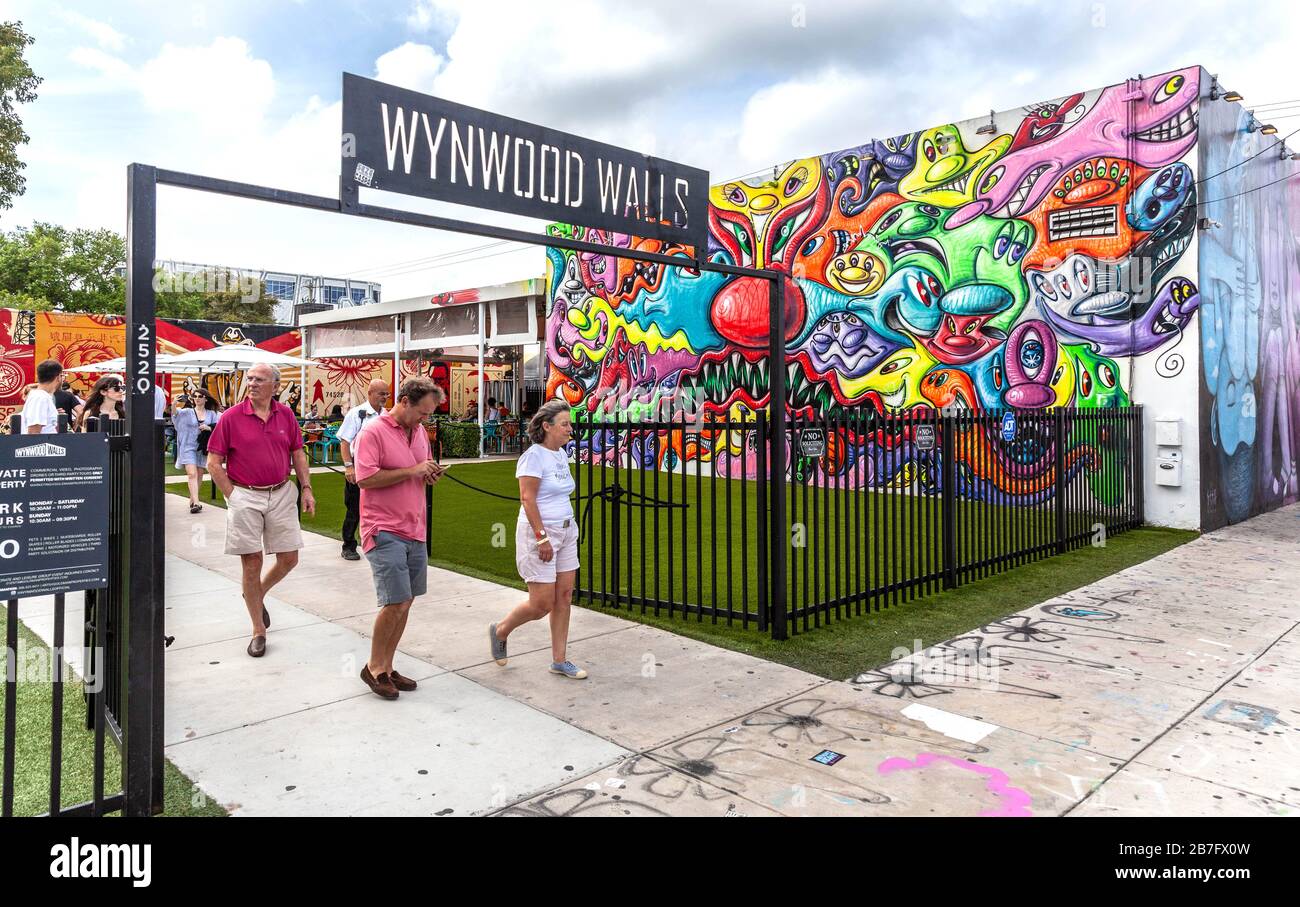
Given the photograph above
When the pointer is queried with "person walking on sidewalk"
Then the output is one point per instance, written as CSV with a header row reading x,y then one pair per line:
x,y
393,465
248,456
546,538
194,423
376,397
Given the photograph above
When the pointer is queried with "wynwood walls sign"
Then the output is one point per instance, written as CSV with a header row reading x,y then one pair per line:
x,y
403,141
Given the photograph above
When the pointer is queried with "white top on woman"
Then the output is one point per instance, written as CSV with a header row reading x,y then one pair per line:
x,y
552,468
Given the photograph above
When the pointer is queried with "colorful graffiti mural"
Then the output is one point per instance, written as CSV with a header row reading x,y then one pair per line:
x,y
1250,324
940,269
78,339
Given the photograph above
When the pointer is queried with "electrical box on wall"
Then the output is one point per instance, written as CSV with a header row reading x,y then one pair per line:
x,y
1169,432
1169,467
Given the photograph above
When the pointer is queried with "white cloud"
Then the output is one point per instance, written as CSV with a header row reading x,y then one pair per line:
x,y
222,79
413,66
103,33
424,15
806,116
114,68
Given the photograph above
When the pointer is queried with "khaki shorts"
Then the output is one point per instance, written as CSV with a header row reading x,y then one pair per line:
x,y
259,521
564,541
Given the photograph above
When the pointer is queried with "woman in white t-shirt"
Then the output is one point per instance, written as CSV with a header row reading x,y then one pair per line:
x,y
546,538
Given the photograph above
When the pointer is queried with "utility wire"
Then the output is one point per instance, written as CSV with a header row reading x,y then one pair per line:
x,y
446,264
1248,191
1247,160
383,268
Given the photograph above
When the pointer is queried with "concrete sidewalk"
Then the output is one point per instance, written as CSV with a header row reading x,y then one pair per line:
x,y
1167,689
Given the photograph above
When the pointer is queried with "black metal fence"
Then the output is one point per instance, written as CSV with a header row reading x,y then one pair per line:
x,y
880,507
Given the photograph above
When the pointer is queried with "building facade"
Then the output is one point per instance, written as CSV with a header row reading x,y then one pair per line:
x,y
1132,244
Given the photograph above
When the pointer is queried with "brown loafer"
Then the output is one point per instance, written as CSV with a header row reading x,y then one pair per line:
x,y
381,686
266,618
257,647
405,684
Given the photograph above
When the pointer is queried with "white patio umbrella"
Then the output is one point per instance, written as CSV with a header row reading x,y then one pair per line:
x,y
163,363
235,357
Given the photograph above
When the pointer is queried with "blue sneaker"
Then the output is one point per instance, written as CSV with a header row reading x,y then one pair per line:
x,y
568,669
498,646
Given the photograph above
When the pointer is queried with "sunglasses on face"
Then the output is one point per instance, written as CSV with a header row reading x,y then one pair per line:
x,y
113,387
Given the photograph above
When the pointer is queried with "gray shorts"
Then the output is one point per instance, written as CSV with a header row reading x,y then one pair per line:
x,y
400,566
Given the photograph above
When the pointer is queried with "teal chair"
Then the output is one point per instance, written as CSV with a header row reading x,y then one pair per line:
x,y
492,437
329,442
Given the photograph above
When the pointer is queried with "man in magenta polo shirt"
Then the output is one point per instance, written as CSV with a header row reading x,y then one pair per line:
x,y
248,456
393,465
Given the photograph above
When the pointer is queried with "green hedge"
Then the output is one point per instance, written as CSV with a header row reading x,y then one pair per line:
x,y
458,439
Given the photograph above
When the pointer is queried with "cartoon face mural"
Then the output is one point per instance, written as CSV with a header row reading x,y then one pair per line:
x,y
1150,134
1085,213
874,168
1097,379
835,256
978,264
935,269
946,172
1043,121
758,224
1159,197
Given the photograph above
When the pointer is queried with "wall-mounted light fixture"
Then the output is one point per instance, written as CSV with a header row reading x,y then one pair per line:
x,y
1261,128
1206,223
1217,93
989,128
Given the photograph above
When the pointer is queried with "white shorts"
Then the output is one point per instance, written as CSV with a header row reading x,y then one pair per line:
x,y
564,541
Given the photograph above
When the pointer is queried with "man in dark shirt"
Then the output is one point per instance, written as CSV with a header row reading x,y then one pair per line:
x,y
65,401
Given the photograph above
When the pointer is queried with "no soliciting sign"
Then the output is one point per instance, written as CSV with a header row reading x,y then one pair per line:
x,y
53,514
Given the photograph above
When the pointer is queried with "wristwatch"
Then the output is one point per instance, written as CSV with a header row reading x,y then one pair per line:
x,y
347,465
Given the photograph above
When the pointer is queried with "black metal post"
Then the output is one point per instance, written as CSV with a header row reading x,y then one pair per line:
x,y
144,676
1139,472
948,460
779,537
11,709
1058,444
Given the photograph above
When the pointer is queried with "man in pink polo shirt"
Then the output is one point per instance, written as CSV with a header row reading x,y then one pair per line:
x,y
248,456
393,465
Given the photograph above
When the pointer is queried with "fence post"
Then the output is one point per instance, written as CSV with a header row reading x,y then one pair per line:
x,y
144,603
777,537
760,484
1139,472
1058,445
616,521
948,469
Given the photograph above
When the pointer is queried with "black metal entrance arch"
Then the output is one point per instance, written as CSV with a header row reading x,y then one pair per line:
x,y
144,714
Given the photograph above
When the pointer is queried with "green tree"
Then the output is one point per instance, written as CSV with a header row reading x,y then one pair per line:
x,y
17,86
74,270
45,267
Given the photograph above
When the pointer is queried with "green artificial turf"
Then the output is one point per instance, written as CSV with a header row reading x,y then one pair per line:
x,y
181,796
473,533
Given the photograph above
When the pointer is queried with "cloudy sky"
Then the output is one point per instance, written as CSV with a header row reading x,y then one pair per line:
x,y
250,91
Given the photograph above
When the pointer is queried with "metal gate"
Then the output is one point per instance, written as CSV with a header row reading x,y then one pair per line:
x,y
122,652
